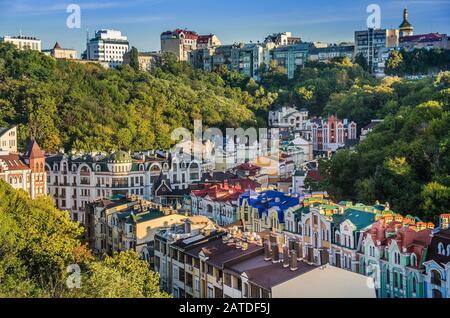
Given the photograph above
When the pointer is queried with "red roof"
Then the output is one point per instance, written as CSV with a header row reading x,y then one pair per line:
x,y
248,167
188,34
13,162
314,175
226,191
430,37
34,151
57,46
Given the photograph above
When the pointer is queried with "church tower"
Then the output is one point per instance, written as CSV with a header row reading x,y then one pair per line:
x,y
406,28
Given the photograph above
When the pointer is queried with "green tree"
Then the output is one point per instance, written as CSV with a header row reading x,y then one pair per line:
x,y
134,58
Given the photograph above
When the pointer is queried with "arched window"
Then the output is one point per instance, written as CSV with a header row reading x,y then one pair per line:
x,y
435,277
414,285
41,167
441,249
37,166
413,260
141,168
448,250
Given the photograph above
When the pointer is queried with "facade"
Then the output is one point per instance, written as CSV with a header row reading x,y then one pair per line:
x,y
74,181
332,133
266,210
219,201
372,44
347,229
147,60
291,57
108,46
23,42
58,52
284,38
179,42
236,264
180,273
437,264
392,252
8,140
330,52
126,223
425,41
288,118
25,172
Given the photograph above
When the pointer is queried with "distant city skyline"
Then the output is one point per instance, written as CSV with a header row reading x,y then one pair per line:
x,y
142,21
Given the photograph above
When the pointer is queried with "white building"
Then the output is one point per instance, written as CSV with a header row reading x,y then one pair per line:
x,y
23,42
75,181
288,118
8,140
108,46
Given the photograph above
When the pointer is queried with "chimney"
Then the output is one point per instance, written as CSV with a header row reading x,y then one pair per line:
x,y
267,252
275,253
293,261
285,257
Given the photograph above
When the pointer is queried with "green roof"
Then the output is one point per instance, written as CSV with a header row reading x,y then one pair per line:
x,y
144,217
120,157
360,219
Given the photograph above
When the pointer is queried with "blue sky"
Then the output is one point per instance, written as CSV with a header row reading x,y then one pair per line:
x,y
232,20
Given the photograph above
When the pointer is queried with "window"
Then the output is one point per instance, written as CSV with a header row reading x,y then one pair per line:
x,y
441,249
413,260
435,277
397,258
414,285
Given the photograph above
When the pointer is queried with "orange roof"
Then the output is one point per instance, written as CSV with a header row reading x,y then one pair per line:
x,y
34,151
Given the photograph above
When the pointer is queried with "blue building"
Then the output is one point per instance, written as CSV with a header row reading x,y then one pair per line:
x,y
266,210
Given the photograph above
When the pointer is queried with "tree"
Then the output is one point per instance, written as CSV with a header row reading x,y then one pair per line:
x,y
121,276
395,64
134,59
39,242
362,61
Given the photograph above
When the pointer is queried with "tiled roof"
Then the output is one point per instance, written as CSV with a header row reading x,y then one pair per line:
x,y
13,162
34,151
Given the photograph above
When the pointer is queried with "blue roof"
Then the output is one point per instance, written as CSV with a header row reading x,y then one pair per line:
x,y
273,199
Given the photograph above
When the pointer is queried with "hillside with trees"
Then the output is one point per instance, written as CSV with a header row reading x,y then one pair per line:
x,y
85,107
406,160
39,242
417,62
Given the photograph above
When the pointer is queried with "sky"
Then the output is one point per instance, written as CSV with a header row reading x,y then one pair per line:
x,y
232,21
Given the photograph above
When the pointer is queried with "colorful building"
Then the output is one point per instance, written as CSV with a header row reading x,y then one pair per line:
x,y
266,210
393,252
219,201
437,265
332,133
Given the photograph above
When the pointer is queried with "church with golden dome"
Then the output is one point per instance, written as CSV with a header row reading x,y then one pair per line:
x,y
406,28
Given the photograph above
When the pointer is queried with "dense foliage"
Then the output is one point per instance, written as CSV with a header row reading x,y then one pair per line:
x,y
417,62
85,107
406,160
38,243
